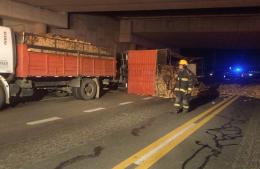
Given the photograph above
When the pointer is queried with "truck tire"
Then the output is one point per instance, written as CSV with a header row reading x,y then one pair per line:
x,y
2,97
75,92
88,89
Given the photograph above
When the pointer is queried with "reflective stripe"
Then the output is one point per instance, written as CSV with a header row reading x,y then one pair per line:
x,y
185,79
177,105
182,90
185,107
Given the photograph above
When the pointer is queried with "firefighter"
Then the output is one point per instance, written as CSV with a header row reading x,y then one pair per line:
x,y
185,80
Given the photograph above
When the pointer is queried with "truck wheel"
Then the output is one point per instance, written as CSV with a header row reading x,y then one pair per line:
x,y
75,92
2,97
88,89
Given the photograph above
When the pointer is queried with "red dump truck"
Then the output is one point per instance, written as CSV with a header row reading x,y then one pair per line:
x,y
29,62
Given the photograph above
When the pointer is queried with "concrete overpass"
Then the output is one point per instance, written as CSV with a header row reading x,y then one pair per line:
x,y
207,31
124,24
134,5
27,13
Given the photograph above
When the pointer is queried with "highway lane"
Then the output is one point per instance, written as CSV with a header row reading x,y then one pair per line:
x,y
67,133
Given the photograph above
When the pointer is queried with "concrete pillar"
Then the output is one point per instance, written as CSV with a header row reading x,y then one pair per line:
x,y
99,30
125,34
39,28
20,11
134,41
132,46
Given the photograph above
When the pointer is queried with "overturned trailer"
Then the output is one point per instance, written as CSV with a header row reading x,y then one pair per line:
x,y
153,72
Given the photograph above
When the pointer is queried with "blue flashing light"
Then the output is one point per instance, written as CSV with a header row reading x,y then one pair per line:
x,y
238,69
250,74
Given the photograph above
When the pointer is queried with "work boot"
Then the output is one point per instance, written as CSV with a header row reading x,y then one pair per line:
x,y
185,111
178,111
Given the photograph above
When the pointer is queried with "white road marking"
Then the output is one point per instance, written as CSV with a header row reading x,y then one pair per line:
x,y
93,110
125,103
147,98
43,121
162,145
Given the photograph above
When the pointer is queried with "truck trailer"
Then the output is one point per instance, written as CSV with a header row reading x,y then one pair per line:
x,y
31,62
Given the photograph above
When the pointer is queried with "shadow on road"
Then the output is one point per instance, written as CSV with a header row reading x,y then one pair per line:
x,y
37,96
205,97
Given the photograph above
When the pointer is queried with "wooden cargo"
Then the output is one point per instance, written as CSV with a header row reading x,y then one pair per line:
x,y
249,90
165,81
59,43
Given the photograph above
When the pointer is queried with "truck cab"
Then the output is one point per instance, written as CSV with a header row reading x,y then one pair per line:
x,y
7,50
7,62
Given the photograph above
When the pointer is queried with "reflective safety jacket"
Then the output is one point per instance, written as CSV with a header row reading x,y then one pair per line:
x,y
185,81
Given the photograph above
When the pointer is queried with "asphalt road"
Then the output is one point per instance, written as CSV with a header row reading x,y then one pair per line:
x,y
63,133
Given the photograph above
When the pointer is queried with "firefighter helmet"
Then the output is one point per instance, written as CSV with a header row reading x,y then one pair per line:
x,y
183,62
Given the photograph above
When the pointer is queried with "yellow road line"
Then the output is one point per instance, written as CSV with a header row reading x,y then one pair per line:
x,y
132,159
154,158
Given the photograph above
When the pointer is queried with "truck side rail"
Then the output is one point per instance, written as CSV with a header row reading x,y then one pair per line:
x,y
68,51
61,44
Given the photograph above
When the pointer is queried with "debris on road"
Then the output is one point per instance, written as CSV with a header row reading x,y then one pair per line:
x,y
241,90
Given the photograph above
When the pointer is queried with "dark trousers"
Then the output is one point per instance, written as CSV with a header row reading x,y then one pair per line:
x,y
182,101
